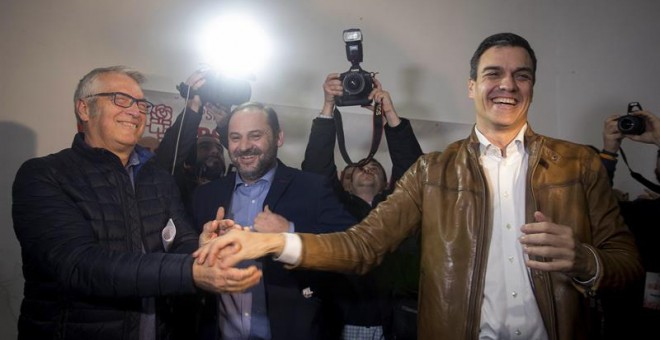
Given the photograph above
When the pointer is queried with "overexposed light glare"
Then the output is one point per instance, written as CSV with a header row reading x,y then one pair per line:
x,y
235,45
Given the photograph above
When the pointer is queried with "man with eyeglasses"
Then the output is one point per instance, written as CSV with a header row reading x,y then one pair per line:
x,y
103,232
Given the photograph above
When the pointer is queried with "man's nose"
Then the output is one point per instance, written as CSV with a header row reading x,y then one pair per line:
x,y
507,83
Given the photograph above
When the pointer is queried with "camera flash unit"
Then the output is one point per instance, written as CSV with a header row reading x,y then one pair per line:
x,y
353,34
353,40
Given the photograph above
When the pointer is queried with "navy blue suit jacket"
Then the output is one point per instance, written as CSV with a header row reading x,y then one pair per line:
x,y
309,202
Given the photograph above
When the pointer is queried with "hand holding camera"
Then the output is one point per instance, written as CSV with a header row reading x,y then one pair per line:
x,y
191,87
631,124
639,125
331,88
379,95
217,89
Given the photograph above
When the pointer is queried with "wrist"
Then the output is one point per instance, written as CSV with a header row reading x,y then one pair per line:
x,y
327,109
287,248
605,154
394,123
592,270
275,244
609,153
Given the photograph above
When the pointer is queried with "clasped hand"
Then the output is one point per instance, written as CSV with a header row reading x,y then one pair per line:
x,y
224,243
212,276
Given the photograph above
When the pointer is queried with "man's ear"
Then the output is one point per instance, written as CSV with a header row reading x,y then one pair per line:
x,y
82,110
471,84
280,138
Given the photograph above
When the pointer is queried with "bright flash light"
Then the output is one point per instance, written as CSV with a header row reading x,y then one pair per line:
x,y
235,45
353,34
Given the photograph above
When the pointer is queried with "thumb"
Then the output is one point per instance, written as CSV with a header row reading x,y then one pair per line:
x,y
540,217
266,208
211,227
220,214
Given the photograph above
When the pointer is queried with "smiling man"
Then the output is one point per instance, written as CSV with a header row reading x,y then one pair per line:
x,y
269,196
103,233
518,230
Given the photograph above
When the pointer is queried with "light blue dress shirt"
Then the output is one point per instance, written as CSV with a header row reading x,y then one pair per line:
x,y
244,315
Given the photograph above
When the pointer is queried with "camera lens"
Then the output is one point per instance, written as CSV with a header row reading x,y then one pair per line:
x,y
631,125
353,83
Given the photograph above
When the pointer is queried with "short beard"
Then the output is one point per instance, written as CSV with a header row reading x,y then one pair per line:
x,y
264,164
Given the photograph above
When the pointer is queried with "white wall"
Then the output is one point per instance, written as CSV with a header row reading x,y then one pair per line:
x,y
594,57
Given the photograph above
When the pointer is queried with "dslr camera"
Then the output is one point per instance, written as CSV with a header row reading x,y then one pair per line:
x,y
631,124
357,82
220,90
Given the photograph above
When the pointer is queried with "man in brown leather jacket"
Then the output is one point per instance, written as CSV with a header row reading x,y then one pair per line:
x,y
519,231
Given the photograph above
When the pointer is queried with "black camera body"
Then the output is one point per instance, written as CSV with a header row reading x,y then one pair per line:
x,y
357,85
631,124
357,82
220,90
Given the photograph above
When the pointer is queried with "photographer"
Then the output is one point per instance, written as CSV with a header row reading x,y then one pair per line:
x,y
623,311
370,311
612,138
198,160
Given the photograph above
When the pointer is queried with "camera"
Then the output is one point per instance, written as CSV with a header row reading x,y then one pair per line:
x,y
221,90
631,124
357,82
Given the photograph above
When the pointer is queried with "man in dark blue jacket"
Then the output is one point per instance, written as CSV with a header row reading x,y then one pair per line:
x,y
271,197
374,301
103,233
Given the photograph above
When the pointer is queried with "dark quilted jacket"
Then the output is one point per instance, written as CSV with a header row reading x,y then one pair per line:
x,y
82,229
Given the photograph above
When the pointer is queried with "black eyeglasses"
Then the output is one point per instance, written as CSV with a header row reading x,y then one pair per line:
x,y
123,100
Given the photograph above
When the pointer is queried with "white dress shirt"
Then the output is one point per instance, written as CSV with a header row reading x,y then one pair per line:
x,y
509,309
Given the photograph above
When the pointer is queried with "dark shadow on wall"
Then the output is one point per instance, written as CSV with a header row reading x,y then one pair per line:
x,y
17,144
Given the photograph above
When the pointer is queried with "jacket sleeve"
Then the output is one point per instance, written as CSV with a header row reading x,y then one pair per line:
x,y
403,147
610,167
332,215
320,150
364,245
609,237
187,141
58,244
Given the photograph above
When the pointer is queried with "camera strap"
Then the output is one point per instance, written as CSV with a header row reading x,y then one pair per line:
x,y
641,179
375,136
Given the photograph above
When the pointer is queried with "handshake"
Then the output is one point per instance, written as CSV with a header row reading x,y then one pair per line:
x,y
224,243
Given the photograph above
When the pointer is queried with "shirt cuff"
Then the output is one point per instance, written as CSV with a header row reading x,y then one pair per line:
x,y
292,250
590,281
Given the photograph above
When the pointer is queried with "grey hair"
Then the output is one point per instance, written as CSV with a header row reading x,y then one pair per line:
x,y
87,85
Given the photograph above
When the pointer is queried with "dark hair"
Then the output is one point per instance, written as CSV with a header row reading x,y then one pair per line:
x,y
271,116
501,39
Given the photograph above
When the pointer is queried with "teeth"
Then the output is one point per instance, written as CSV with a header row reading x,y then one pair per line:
x,y
129,124
500,100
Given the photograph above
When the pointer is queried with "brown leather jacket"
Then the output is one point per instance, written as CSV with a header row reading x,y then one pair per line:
x,y
445,194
